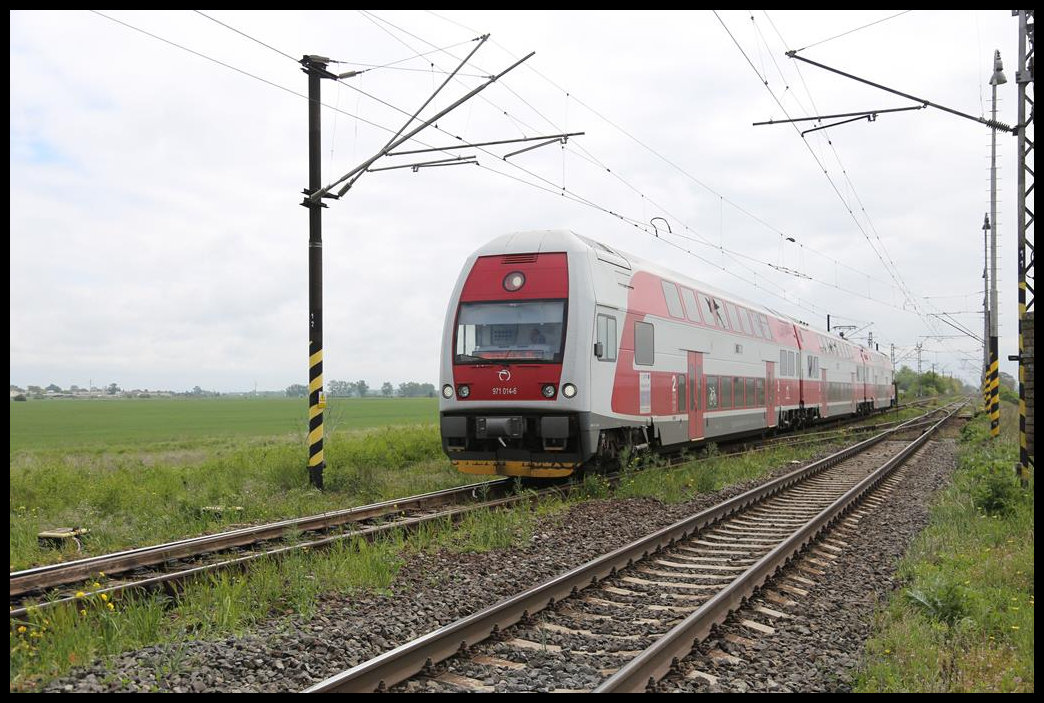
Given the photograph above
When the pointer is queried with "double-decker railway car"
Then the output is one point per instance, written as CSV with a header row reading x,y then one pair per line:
x,y
560,352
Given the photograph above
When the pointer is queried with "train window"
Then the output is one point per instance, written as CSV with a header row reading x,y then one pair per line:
x,y
680,380
707,306
692,308
718,310
782,362
759,391
792,364
674,305
733,316
751,393
606,334
644,344
517,331
737,392
712,392
725,392
744,318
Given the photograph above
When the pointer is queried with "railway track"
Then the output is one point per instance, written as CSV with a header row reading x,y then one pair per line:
x,y
166,565
618,622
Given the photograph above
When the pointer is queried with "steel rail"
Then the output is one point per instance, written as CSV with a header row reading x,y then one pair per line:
x,y
170,579
41,577
412,657
657,660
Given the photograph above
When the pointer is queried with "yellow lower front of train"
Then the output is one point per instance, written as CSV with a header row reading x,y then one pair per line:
x,y
523,469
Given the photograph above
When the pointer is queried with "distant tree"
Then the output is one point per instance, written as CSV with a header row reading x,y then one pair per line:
x,y
33,389
361,387
412,389
54,388
387,389
196,390
296,390
340,389
15,388
113,389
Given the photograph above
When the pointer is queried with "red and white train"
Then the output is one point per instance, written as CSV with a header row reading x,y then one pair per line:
x,y
559,351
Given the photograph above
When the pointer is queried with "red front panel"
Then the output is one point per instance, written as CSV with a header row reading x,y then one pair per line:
x,y
508,382
546,277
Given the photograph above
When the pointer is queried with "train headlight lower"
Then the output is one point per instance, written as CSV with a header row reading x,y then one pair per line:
x,y
447,391
569,390
548,390
463,391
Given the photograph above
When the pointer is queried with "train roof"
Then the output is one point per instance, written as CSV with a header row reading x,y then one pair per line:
x,y
561,240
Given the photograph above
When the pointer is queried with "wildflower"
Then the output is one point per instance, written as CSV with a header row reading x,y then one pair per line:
x,y
83,613
96,584
21,629
111,606
101,574
105,596
1014,627
80,594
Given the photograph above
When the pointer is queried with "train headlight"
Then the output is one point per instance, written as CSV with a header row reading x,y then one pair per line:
x,y
514,280
447,391
548,390
569,390
463,391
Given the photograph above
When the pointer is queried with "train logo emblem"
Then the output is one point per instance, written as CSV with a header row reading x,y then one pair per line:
x,y
504,375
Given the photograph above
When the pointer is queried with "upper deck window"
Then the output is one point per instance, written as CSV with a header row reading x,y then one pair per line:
x,y
674,304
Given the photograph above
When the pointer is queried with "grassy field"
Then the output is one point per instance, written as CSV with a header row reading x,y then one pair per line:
x,y
963,622
103,423
138,472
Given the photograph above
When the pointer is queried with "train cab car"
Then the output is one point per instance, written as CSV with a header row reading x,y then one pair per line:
x,y
515,383
559,352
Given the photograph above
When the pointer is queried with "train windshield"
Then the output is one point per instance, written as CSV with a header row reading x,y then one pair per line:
x,y
517,331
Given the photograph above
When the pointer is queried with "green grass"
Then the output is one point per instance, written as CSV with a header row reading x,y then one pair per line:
x,y
135,496
106,425
47,643
964,620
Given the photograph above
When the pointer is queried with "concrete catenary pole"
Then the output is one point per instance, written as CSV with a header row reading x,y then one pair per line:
x,y
994,378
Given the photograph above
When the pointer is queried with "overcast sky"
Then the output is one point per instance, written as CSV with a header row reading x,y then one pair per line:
x,y
158,159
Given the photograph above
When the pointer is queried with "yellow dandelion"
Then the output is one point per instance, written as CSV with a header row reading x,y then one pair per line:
x,y
21,628
105,596
102,574
83,612
80,594
111,606
888,651
97,585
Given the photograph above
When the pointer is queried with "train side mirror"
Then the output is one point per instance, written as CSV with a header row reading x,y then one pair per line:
x,y
599,349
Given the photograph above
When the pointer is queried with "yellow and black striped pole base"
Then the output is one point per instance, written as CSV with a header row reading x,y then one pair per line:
x,y
993,381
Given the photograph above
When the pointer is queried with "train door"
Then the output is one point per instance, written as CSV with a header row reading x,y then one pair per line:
x,y
696,399
770,394
824,394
